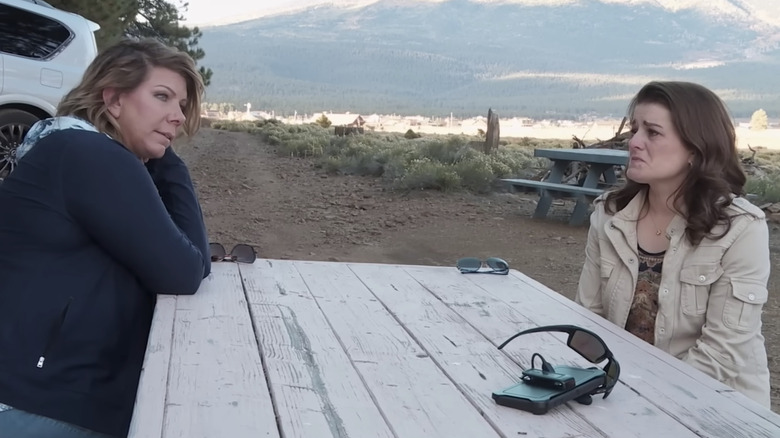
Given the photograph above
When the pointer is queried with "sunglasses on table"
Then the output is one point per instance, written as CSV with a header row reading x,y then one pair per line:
x,y
589,345
242,253
473,265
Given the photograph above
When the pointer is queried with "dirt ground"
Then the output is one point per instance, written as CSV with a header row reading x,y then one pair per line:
x,y
289,209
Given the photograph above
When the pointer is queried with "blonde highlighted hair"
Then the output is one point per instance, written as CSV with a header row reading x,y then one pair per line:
x,y
123,67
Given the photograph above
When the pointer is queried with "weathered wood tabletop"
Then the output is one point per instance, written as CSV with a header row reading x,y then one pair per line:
x,y
320,349
588,155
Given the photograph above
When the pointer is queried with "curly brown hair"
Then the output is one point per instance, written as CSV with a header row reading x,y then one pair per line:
x,y
705,128
124,66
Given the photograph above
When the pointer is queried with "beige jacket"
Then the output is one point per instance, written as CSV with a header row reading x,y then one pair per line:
x,y
710,297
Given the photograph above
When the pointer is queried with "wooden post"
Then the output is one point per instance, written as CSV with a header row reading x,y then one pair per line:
x,y
492,135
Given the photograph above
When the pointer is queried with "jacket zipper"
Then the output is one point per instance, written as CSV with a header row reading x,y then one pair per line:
x,y
55,332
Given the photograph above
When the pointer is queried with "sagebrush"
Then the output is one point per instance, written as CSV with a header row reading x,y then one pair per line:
x,y
428,162
447,163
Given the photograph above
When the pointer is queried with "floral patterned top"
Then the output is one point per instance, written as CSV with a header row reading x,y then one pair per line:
x,y
644,308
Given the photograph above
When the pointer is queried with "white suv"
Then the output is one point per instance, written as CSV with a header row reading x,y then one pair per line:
x,y
43,54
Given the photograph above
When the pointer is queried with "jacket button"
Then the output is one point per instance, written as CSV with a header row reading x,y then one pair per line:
x,y
666,291
630,260
751,297
702,278
662,331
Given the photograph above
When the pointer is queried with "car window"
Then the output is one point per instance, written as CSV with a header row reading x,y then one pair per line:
x,y
24,33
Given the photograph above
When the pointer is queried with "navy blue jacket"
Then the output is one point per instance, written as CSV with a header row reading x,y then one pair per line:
x,y
89,236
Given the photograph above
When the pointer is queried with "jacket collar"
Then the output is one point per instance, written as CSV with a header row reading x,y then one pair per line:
x,y
625,221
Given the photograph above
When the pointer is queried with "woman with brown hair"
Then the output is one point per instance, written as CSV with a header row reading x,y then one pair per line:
x,y
99,217
677,256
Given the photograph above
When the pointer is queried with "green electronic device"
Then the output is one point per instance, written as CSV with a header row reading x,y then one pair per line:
x,y
539,399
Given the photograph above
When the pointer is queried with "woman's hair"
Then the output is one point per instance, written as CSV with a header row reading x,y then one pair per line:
x,y
706,130
124,66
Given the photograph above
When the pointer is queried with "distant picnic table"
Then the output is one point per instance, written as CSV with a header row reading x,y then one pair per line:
x,y
601,164
287,348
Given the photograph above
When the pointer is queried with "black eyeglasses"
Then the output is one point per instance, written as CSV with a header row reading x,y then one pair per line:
x,y
240,253
473,265
589,345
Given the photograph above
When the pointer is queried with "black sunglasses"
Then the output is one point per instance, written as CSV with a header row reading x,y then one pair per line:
x,y
473,265
240,253
589,345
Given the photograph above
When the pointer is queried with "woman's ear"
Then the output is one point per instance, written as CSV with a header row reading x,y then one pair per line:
x,y
112,102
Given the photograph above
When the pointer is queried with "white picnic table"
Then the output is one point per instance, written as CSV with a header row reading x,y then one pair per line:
x,y
290,349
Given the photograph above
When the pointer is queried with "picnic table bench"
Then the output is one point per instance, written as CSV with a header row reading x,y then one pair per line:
x,y
601,163
291,349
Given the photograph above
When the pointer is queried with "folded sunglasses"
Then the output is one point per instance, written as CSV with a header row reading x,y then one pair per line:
x,y
473,265
242,253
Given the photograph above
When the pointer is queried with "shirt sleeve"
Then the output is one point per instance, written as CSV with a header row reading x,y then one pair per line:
x,y
589,287
110,193
174,185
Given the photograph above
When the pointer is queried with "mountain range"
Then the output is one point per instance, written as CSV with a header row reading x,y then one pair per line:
x,y
533,58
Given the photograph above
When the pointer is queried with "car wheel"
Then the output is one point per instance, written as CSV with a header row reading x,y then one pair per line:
x,y
14,125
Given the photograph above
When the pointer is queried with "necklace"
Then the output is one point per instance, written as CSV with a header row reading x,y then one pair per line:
x,y
657,230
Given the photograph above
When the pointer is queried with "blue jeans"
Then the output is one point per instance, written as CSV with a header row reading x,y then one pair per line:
x,y
20,424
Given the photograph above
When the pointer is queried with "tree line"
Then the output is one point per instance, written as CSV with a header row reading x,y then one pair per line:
x,y
159,19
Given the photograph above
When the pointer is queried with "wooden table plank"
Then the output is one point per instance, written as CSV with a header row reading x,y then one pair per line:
x,y
149,410
474,364
400,351
701,378
415,396
623,414
671,385
710,398
590,155
217,385
316,389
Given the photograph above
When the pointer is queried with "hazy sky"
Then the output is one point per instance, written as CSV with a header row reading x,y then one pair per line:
x,y
222,11
211,11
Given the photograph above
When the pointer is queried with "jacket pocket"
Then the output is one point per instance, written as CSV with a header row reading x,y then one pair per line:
x,y
54,333
742,310
695,283
606,270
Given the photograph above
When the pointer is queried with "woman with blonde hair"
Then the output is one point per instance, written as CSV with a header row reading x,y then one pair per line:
x,y
98,218
677,256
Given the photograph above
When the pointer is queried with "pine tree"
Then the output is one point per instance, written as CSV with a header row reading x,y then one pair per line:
x,y
323,121
139,18
759,120
113,16
160,19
